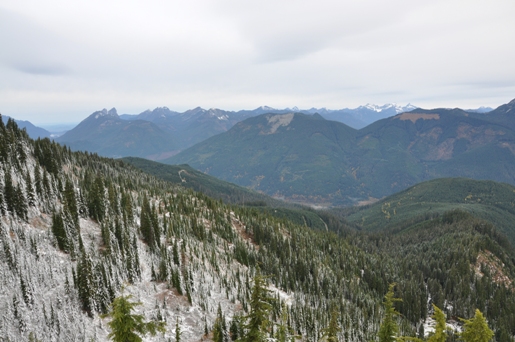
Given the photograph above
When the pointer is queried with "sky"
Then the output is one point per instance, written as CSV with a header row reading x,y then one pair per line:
x,y
62,60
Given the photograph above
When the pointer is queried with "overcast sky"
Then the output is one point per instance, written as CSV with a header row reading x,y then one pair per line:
x,y
62,60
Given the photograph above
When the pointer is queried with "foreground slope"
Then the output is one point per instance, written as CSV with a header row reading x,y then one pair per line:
x,y
77,230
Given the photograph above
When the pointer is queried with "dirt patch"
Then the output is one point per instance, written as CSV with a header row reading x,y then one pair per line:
x,y
240,229
413,117
495,266
276,121
370,200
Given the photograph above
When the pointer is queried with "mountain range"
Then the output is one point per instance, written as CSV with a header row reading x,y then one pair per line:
x,y
161,133
308,159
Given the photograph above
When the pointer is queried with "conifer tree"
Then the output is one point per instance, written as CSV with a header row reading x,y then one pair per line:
x,y
219,328
331,332
126,326
85,281
260,306
96,202
476,329
284,332
71,202
389,328
60,232
177,331
146,224
440,334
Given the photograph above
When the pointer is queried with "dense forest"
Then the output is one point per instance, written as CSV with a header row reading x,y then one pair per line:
x,y
78,231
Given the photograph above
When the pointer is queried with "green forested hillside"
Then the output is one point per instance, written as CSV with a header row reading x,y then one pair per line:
x,y
491,201
295,156
77,230
190,178
307,159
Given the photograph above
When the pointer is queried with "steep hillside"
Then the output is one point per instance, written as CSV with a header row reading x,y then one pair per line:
x,y
412,147
77,230
103,132
190,178
298,157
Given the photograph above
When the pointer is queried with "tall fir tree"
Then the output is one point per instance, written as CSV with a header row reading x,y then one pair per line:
x,y
127,326
389,329
476,329
258,319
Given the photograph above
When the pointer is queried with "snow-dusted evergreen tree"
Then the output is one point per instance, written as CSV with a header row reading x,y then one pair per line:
x,y
127,326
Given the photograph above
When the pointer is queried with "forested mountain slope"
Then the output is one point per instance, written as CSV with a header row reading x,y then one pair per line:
x,y
76,228
308,159
299,157
491,201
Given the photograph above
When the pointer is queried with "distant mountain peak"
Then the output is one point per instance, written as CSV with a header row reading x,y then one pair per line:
x,y
106,113
389,106
265,108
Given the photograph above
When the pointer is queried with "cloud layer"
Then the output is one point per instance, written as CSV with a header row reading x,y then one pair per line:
x,y
61,61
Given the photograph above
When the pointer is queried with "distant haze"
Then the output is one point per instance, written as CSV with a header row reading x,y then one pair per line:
x,y
61,61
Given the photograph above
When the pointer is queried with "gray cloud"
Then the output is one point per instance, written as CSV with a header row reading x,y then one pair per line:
x,y
233,54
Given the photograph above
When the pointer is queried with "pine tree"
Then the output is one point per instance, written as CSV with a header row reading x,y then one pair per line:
x,y
440,334
284,332
85,282
260,306
9,193
476,329
60,232
70,202
331,332
219,326
128,327
389,328
177,331
146,224
96,201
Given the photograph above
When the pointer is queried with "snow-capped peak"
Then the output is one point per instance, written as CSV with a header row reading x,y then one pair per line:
x,y
398,108
265,108
104,112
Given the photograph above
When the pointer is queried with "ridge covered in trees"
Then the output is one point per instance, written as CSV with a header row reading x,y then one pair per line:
x,y
75,228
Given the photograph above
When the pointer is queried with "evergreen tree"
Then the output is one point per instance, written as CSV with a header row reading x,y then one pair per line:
x,y
70,202
284,333
330,334
96,201
476,329
389,329
85,282
260,306
440,334
126,326
9,193
219,328
146,224
177,331
60,232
